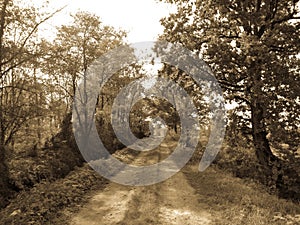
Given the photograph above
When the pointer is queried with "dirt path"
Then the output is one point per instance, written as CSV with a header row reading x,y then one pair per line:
x,y
171,202
212,197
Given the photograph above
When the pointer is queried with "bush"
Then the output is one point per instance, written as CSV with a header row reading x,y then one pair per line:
x,y
44,202
49,165
240,161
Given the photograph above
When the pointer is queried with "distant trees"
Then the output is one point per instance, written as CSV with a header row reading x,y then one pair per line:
x,y
193,89
253,48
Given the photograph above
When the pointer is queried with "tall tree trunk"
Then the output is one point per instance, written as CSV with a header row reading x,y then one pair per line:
x,y
4,181
259,133
268,161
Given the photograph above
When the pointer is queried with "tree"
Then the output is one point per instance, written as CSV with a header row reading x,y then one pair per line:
x,y
192,88
18,54
74,49
78,45
253,48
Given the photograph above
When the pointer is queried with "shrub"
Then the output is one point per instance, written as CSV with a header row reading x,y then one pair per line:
x,y
44,202
50,164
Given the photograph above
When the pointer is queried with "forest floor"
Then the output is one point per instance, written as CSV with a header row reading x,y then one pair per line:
x,y
189,197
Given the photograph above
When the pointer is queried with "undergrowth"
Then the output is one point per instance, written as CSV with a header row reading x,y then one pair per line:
x,y
43,203
235,201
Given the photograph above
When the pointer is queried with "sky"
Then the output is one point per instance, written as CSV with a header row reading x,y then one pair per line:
x,y
140,18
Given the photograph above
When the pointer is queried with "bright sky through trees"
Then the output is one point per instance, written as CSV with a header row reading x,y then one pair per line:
x,y
140,18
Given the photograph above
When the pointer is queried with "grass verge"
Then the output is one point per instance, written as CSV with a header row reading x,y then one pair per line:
x,y
237,201
45,202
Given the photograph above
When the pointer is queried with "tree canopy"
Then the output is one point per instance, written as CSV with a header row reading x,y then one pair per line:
x,y
253,48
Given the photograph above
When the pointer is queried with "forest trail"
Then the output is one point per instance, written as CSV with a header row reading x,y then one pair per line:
x,y
189,197
173,201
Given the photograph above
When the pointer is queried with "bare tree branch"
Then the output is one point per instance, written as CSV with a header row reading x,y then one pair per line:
x,y
26,40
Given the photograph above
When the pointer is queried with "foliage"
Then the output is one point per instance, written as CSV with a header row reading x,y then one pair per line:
x,y
240,201
48,165
45,201
76,47
252,47
22,100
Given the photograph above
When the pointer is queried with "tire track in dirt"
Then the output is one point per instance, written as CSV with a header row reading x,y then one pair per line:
x,y
173,201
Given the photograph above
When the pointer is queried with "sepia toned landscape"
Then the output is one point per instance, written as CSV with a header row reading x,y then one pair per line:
x,y
199,126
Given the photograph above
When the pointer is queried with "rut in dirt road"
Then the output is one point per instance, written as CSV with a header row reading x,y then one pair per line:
x,y
189,197
173,201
